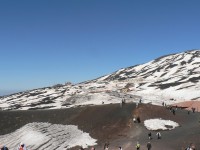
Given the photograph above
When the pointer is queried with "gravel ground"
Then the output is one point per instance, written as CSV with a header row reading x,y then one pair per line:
x,y
113,124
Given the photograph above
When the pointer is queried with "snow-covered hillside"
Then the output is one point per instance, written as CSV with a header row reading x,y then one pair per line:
x,y
172,78
40,136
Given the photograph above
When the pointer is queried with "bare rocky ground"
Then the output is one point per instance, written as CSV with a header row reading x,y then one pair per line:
x,y
113,124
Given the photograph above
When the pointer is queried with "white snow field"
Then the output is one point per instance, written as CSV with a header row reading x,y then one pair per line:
x,y
170,79
160,124
43,136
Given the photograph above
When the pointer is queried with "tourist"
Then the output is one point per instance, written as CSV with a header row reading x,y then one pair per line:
x,y
138,119
192,146
4,148
187,148
188,112
193,109
136,105
106,146
134,120
21,146
149,135
92,148
148,145
138,146
173,111
170,108
158,135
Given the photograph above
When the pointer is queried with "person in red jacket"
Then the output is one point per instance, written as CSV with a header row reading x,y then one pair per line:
x,y
21,146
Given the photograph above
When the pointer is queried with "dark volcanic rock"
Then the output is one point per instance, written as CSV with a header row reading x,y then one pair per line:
x,y
113,124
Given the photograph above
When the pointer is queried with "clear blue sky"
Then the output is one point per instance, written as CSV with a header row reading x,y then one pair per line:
x,y
45,42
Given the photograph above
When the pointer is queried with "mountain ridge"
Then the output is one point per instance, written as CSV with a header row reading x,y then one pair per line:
x,y
174,76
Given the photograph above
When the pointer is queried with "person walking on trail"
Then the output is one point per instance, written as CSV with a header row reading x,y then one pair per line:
x,y
21,146
136,105
4,148
193,109
173,111
158,135
149,135
120,148
134,120
190,147
138,146
148,145
138,119
188,112
106,146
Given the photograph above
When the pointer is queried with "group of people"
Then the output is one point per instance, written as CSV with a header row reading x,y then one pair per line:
x,y
158,134
148,146
173,110
20,147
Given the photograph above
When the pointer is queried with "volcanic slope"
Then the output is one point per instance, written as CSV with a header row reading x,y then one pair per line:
x,y
172,78
111,124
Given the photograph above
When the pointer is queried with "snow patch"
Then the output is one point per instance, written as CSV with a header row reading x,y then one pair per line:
x,y
160,124
48,136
